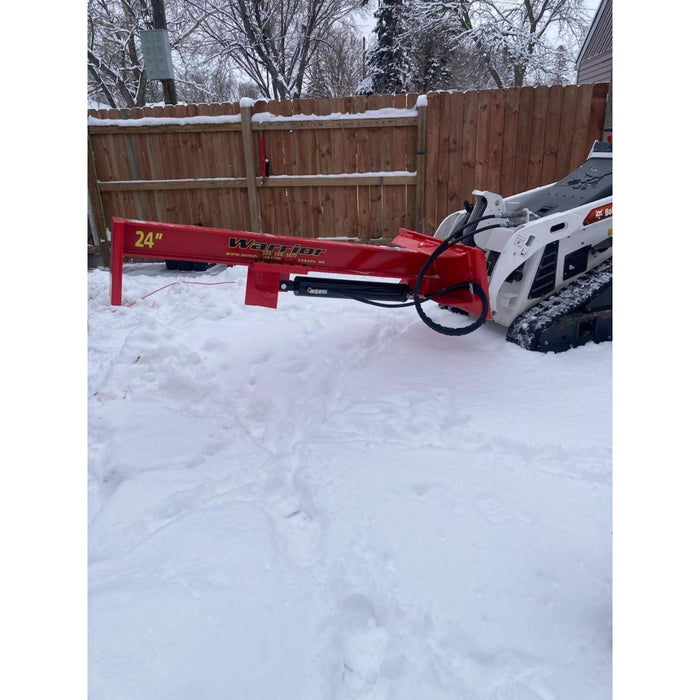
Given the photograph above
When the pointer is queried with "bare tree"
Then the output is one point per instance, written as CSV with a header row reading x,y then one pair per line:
x,y
272,42
115,70
337,68
116,74
514,41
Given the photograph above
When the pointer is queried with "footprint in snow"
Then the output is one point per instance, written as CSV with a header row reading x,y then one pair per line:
x,y
493,511
423,488
297,534
363,643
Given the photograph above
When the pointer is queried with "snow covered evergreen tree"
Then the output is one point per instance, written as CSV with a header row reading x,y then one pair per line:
x,y
434,58
388,61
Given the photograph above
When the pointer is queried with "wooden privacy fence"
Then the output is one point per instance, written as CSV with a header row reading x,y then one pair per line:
x,y
358,167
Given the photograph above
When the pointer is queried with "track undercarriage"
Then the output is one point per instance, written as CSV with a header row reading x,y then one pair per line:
x,y
575,315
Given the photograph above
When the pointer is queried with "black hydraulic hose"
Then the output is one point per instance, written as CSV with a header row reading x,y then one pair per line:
x,y
455,238
462,330
458,232
418,300
465,236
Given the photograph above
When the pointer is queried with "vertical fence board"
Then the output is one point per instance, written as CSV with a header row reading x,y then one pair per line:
x,y
551,139
581,143
598,109
361,148
269,155
165,160
400,139
453,161
483,121
302,156
495,140
350,165
566,130
432,160
217,165
340,195
537,136
289,152
249,153
301,199
510,141
363,198
311,165
323,165
444,143
375,221
469,136
390,194
420,140
524,137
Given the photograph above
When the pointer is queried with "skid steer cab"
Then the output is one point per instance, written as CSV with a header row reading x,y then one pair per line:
x,y
539,262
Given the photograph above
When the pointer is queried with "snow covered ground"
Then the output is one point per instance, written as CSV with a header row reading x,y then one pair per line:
x,y
332,501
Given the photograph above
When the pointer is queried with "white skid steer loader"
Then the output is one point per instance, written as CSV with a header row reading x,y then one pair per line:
x,y
548,256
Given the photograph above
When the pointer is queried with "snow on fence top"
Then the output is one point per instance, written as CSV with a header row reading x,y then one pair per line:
x,y
166,121
384,113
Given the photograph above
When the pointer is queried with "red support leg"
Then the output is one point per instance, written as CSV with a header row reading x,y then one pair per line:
x,y
117,266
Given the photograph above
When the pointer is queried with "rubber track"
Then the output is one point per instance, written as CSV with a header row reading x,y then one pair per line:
x,y
527,328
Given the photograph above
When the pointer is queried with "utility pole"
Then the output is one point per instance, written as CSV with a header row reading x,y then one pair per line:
x,y
159,22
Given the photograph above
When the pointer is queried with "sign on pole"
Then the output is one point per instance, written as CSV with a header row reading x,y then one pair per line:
x,y
156,54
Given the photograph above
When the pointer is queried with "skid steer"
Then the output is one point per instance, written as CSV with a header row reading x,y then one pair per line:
x,y
538,262
548,256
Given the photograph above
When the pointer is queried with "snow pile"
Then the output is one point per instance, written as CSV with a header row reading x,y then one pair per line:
x,y
330,500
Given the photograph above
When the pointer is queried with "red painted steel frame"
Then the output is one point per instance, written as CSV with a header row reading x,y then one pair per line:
x,y
272,259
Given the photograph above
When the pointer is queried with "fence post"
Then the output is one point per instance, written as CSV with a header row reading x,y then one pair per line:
x,y
422,108
249,154
96,215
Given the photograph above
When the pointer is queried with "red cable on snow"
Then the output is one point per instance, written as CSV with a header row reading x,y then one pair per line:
x,y
172,284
